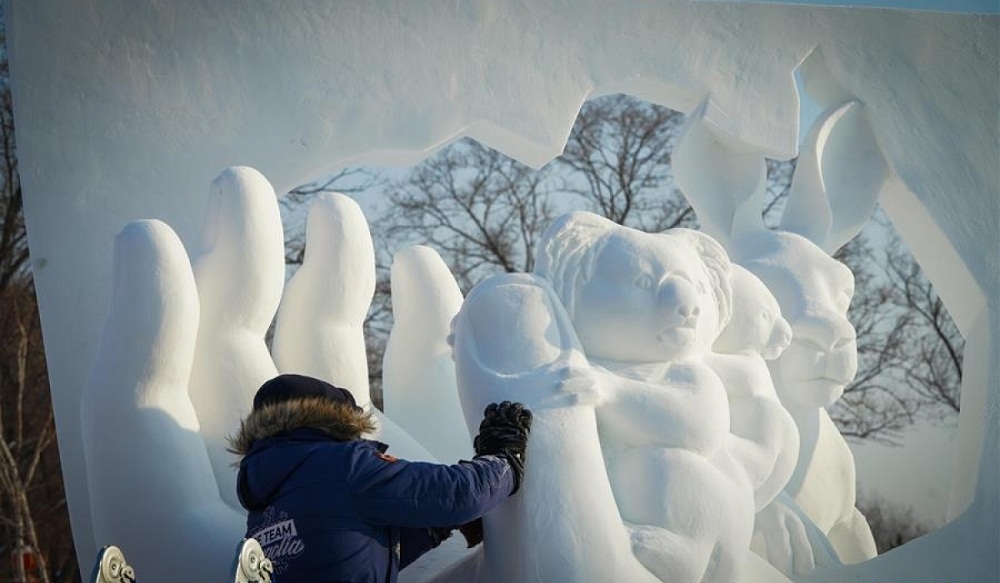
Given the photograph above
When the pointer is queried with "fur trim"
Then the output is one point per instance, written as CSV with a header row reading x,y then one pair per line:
x,y
339,420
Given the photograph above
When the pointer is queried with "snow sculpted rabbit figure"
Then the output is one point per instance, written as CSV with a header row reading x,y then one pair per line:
x,y
835,187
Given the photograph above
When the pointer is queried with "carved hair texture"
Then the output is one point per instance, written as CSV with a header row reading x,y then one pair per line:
x,y
569,249
571,245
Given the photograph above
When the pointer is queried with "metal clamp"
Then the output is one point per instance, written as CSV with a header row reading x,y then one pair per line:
x,y
110,567
251,565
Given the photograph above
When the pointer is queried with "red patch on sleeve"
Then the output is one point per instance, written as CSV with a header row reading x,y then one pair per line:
x,y
386,457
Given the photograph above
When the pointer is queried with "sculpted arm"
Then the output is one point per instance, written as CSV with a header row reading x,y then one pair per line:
x,y
764,440
685,406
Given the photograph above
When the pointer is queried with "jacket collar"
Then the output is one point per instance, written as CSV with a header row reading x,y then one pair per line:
x,y
335,420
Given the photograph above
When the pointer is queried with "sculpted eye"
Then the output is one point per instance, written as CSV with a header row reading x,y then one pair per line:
x,y
765,315
644,281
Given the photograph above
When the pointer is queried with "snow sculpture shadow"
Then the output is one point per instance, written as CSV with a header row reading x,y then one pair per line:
x,y
611,343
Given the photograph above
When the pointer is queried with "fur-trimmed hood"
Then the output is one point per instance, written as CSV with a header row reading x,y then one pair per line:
x,y
339,420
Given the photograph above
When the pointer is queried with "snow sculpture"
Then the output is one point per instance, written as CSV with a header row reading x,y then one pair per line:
x,y
179,91
153,466
242,227
756,333
513,340
615,332
328,298
814,290
418,374
183,352
832,195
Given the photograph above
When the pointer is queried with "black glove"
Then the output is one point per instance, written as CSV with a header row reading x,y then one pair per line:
x,y
439,534
473,532
504,432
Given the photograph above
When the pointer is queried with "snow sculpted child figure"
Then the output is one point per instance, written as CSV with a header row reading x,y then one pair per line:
x,y
610,343
648,309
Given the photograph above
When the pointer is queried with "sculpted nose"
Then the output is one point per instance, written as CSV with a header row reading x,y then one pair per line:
x,y
830,333
679,296
688,310
781,337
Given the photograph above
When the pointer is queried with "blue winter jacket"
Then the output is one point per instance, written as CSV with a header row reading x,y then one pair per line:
x,y
331,510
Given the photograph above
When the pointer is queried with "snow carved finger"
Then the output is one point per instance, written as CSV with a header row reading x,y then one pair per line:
x,y
147,462
419,389
239,269
320,324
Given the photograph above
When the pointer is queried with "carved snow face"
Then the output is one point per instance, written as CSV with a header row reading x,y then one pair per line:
x,y
757,323
649,298
814,291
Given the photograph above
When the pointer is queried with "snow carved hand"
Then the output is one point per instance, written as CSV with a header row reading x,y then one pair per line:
x,y
182,354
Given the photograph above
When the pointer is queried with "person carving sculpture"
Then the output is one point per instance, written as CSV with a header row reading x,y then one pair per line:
x,y
328,505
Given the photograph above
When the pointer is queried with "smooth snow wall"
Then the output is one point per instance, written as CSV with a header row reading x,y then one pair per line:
x,y
128,109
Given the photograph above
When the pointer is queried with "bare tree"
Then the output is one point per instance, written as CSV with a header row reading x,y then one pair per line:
x,y
13,238
350,181
909,349
482,211
876,405
617,159
779,181
892,525
378,324
933,343
26,426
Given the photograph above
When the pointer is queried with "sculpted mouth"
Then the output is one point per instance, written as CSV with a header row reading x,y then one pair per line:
x,y
675,334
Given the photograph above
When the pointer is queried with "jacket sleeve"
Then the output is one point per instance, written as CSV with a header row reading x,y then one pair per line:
x,y
395,492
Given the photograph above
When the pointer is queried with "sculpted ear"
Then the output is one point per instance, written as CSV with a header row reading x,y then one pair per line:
x,y
724,179
837,180
781,337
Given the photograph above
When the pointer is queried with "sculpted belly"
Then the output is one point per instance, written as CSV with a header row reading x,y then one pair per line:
x,y
679,490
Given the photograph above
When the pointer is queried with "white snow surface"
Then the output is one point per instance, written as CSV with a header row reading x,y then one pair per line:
x,y
127,110
140,428
419,389
239,273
